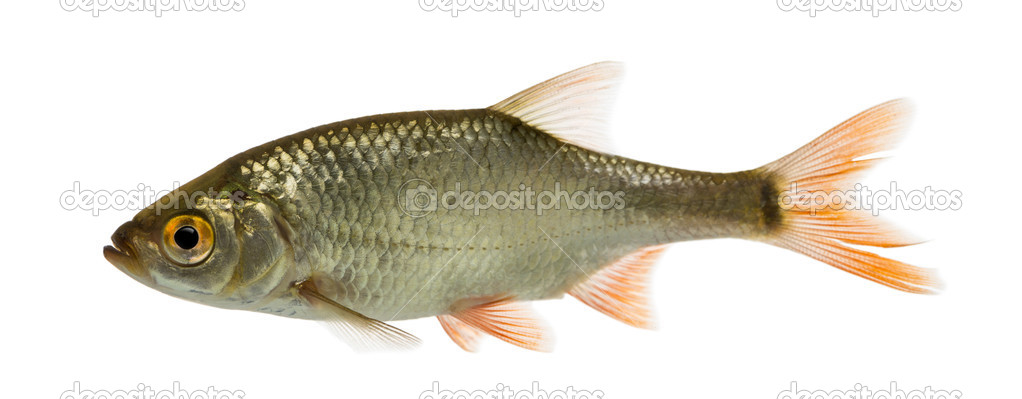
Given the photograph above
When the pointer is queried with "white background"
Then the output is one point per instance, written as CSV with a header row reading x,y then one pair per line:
x,y
129,98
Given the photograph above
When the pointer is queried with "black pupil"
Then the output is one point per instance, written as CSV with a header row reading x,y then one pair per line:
x,y
186,237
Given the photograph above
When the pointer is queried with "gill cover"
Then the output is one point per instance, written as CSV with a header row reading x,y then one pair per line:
x,y
226,251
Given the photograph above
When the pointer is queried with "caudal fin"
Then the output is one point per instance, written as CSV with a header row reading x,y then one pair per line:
x,y
827,167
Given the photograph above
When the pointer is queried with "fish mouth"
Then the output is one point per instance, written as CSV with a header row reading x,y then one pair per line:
x,y
121,255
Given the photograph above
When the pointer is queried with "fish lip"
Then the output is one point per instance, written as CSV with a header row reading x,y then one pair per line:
x,y
121,254
117,257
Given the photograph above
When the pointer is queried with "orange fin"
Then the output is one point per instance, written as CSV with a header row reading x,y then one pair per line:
x,y
503,318
830,164
619,290
466,336
861,263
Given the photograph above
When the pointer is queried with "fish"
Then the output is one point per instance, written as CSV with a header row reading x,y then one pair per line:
x,y
470,215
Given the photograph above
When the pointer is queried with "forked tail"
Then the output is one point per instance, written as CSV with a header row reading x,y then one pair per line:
x,y
829,165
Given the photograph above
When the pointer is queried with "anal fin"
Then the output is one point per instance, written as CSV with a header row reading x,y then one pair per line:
x,y
619,290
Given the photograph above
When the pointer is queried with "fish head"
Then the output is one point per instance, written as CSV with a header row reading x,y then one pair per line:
x,y
222,248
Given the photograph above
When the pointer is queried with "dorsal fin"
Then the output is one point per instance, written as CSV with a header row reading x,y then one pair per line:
x,y
572,106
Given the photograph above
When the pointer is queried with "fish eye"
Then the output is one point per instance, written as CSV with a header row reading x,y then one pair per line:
x,y
186,237
187,240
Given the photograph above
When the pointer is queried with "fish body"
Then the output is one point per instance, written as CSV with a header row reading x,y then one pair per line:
x,y
467,215
341,187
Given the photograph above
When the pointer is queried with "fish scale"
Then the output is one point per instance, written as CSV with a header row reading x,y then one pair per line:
x,y
352,227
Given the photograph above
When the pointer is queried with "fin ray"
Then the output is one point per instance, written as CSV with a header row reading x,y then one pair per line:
x,y
571,106
831,163
505,319
620,289
466,336
360,332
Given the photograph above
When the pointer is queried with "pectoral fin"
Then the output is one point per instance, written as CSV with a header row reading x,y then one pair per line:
x,y
357,330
